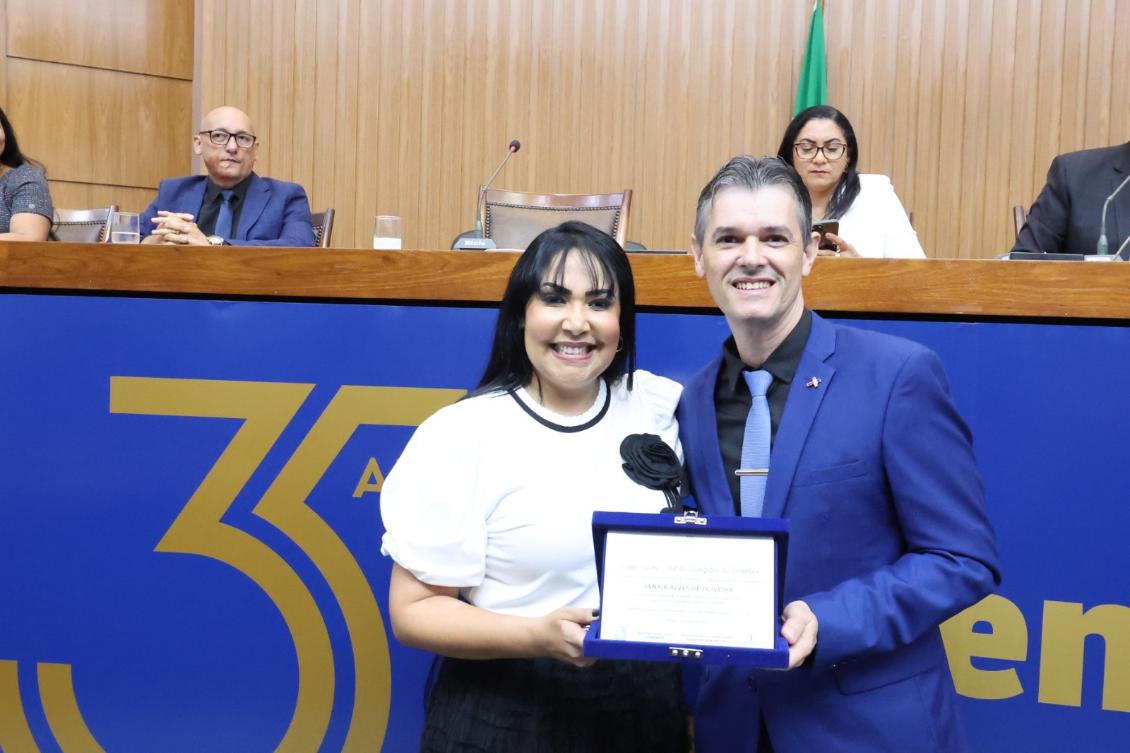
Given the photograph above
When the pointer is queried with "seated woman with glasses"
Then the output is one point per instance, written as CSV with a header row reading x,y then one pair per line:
x,y
820,145
488,518
25,201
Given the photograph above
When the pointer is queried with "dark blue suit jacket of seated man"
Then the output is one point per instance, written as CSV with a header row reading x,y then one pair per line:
x,y
1067,215
275,213
874,470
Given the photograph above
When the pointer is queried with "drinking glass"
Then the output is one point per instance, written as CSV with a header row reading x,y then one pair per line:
x,y
125,227
386,232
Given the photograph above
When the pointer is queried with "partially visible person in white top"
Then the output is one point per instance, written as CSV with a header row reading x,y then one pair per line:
x,y
488,518
820,145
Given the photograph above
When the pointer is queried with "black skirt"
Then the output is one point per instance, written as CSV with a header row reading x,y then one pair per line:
x,y
546,706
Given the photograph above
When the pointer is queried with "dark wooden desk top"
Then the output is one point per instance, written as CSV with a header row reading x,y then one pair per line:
x,y
946,288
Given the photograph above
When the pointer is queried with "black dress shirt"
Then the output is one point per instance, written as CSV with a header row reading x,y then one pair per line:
x,y
732,399
210,207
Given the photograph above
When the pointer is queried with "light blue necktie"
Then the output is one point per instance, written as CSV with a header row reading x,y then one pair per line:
x,y
755,444
223,220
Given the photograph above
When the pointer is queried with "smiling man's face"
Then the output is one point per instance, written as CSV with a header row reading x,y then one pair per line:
x,y
753,258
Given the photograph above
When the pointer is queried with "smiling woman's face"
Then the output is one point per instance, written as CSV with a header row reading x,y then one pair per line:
x,y
572,331
820,174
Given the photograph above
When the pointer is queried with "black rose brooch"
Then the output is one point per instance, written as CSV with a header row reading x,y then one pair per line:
x,y
650,462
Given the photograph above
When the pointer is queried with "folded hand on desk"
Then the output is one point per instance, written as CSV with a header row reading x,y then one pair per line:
x,y
176,229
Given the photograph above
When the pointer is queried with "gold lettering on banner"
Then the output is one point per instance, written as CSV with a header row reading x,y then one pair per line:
x,y
284,505
15,734
265,409
57,691
1066,627
1007,640
371,479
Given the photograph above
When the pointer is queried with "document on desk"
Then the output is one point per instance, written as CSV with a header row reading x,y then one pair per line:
x,y
685,589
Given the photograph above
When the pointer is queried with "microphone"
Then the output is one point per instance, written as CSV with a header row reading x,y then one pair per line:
x,y
1103,249
476,241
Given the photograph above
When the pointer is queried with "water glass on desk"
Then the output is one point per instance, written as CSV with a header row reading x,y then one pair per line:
x,y
125,227
386,232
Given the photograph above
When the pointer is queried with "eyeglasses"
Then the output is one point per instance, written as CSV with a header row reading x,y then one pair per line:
x,y
222,138
807,150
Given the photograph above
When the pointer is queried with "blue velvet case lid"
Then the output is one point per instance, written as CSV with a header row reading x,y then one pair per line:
x,y
693,524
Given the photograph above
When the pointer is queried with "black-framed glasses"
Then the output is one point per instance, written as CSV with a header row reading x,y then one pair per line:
x,y
807,150
219,137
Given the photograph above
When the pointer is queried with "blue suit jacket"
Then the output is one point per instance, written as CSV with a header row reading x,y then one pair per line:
x,y
874,470
275,213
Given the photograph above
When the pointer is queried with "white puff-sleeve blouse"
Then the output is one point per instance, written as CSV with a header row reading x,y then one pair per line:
x,y
494,495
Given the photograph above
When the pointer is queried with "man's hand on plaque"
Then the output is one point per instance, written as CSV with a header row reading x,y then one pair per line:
x,y
799,630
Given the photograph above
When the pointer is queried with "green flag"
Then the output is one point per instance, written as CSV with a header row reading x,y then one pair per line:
x,y
813,86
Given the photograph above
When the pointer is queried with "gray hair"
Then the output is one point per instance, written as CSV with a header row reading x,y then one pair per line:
x,y
755,173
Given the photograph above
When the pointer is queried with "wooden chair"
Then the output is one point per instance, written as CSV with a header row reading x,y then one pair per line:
x,y
323,227
1019,217
82,225
513,219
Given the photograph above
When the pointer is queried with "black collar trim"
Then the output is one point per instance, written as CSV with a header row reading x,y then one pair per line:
x,y
559,427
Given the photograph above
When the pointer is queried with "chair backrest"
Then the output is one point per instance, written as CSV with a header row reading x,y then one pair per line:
x,y
1019,217
323,227
513,219
82,225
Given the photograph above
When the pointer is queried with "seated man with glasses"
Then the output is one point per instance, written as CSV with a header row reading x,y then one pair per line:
x,y
231,205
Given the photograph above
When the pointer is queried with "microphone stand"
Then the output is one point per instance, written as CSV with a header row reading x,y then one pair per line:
x,y
1102,248
477,241
1118,254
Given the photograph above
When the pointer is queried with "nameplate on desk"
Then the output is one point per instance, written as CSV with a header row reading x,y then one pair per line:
x,y
474,244
1040,256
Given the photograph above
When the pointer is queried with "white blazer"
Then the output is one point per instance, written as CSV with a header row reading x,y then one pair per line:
x,y
876,223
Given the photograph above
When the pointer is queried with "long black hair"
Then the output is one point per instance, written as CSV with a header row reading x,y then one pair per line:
x,y
12,156
848,187
509,366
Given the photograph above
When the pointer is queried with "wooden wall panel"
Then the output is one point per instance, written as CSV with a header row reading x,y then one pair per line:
x,y
4,57
143,36
67,194
101,93
100,126
404,106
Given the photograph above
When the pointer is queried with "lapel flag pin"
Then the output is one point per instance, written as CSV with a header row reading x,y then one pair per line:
x,y
813,382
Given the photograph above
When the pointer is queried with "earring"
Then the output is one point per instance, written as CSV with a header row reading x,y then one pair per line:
x,y
620,345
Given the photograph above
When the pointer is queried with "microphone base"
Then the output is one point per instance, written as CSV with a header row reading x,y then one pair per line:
x,y
475,244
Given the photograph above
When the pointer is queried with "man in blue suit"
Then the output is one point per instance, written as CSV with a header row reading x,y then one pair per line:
x,y
231,205
871,465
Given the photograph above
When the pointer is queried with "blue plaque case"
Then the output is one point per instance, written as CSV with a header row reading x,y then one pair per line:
x,y
693,524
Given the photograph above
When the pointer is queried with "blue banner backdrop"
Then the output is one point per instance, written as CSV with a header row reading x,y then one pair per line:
x,y
189,525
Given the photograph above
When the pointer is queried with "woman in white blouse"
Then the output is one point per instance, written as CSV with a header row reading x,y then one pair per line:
x,y
488,518
821,146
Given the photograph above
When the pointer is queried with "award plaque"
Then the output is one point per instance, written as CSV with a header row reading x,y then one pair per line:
x,y
689,588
